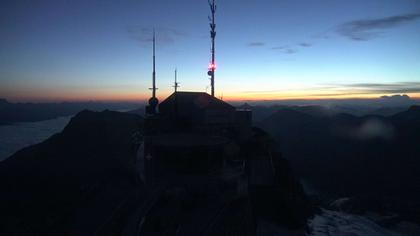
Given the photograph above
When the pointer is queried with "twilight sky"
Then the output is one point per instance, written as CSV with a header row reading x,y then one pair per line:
x,y
265,49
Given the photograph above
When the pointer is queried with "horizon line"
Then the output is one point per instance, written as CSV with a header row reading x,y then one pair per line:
x,y
227,99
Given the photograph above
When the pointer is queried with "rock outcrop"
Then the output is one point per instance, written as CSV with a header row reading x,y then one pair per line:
x,y
84,181
74,181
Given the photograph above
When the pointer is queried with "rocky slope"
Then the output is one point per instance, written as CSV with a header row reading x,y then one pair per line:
x,y
83,181
70,183
373,158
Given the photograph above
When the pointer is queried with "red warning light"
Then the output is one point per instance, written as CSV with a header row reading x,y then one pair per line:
x,y
212,66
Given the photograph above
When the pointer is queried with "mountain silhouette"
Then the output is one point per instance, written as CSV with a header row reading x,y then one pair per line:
x,y
344,155
86,180
71,182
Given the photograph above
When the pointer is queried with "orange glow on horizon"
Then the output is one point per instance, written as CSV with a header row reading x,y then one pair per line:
x,y
234,97
307,96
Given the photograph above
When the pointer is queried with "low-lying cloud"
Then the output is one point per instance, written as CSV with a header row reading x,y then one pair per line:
x,y
305,45
278,48
369,129
256,44
362,30
285,49
388,88
351,89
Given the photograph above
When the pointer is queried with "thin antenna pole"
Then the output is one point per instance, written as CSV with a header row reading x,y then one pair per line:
x,y
154,65
176,84
176,95
213,36
153,101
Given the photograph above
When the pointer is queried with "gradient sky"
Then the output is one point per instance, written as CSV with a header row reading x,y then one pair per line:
x,y
266,49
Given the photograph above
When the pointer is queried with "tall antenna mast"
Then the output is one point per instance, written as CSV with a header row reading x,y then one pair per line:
x,y
212,66
176,84
154,65
153,101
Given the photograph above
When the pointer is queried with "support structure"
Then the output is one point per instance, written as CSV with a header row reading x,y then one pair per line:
x,y
212,66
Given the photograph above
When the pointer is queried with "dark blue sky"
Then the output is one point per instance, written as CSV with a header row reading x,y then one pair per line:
x,y
266,49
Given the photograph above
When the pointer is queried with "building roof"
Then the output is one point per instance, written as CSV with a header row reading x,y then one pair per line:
x,y
194,101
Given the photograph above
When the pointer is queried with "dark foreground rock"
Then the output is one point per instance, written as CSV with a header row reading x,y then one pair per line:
x,y
283,201
74,181
85,181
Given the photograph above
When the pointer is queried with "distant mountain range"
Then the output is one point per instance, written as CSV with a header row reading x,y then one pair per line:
x,y
385,105
372,157
29,112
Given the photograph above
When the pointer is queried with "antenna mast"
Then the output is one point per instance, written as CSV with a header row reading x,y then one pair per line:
x,y
212,66
176,84
154,66
153,101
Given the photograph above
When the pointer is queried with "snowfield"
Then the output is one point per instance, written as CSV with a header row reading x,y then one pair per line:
x,y
344,224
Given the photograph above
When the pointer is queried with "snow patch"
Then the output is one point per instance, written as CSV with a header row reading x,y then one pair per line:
x,y
343,224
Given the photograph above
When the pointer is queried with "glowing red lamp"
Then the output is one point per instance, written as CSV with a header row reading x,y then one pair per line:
x,y
212,66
